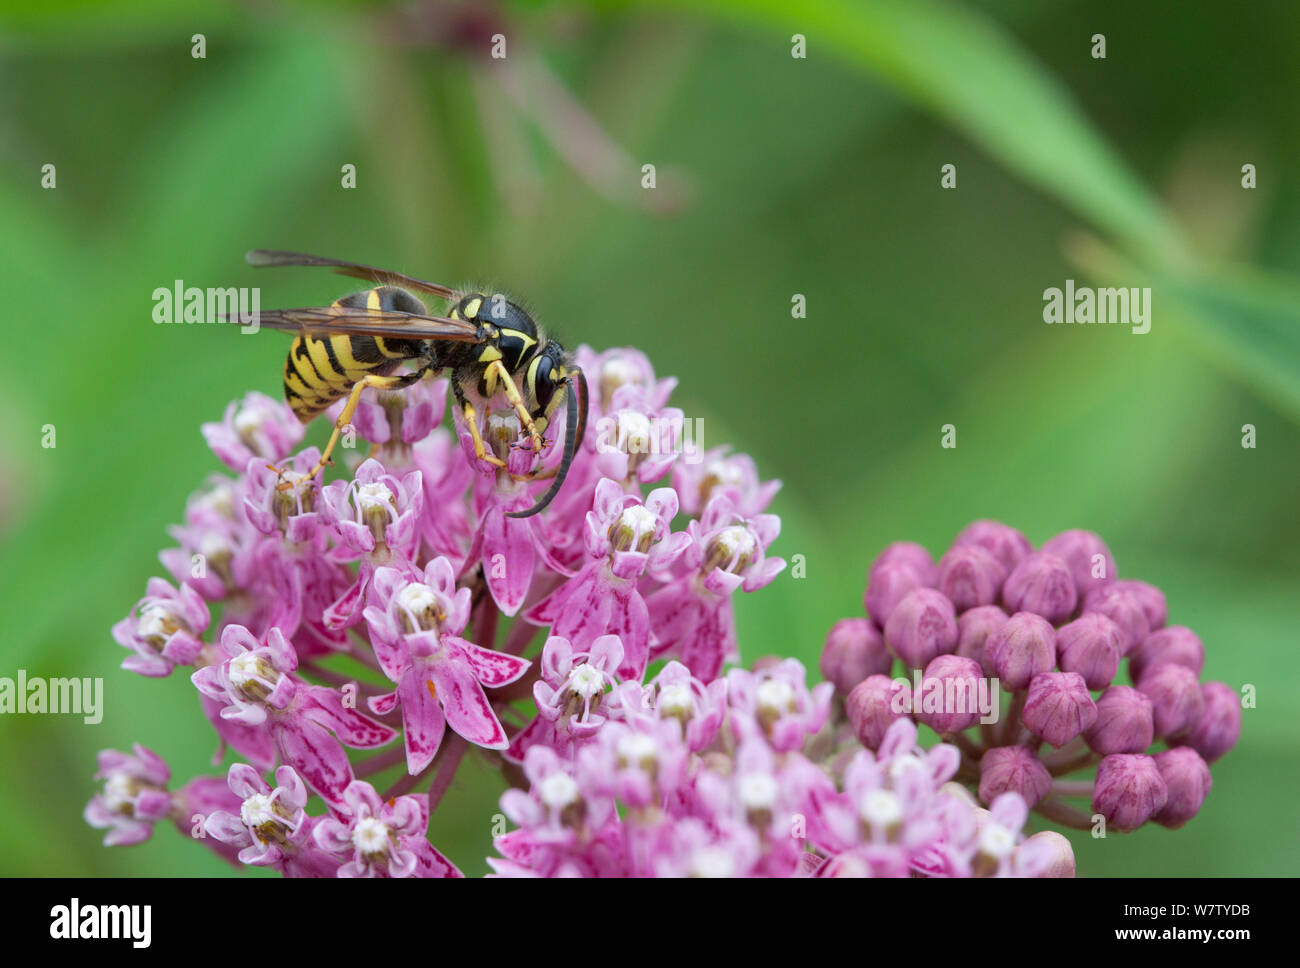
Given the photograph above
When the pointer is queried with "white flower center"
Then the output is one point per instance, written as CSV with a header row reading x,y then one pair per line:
x,y
117,791
775,696
724,472
213,544
881,808
586,681
634,529
373,497
247,669
558,790
996,840
905,764
712,862
248,421
371,836
637,748
634,432
676,700
220,499
155,621
257,810
417,598
737,541
758,791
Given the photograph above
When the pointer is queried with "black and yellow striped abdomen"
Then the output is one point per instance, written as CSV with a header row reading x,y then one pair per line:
x,y
322,369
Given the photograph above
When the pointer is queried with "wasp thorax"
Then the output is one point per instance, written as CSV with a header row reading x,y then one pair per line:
x,y
634,529
420,608
252,676
676,702
758,794
157,624
263,814
639,750
373,839
881,813
731,549
774,698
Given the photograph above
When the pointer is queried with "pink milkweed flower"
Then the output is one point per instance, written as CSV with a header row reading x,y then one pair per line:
x,y
257,427
623,366
415,623
394,421
271,828
214,536
383,839
1001,851
445,523
778,704
134,797
693,847
676,694
1004,542
637,442
1129,790
375,518
626,539
1013,769
565,829
1090,562
717,471
692,615
1219,727
509,550
294,511
570,695
164,629
254,686
639,763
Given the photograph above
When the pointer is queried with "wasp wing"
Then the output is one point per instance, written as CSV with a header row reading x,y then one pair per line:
x,y
331,320
271,257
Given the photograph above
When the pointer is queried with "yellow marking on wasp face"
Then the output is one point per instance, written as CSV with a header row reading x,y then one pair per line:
x,y
531,379
372,300
488,354
472,307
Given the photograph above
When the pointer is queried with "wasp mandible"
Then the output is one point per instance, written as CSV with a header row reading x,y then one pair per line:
x,y
488,344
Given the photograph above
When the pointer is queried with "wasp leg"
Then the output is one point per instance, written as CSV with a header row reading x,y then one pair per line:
x,y
349,411
471,418
516,401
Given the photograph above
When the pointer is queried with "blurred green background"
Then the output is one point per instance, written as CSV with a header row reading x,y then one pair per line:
x,y
777,176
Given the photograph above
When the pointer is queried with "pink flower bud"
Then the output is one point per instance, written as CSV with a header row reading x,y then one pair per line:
x,y
1220,723
1187,778
1052,855
949,700
1091,646
1151,598
921,627
1129,790
874,705
1125,722
1004,542
853,651
1013,769
907,553
974,626
1176,644
1058,707
1041,584
887,585
1124,609
1175,698
1022,648
970,576
1089,560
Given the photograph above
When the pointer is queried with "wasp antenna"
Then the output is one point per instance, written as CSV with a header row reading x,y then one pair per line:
x,y
575,425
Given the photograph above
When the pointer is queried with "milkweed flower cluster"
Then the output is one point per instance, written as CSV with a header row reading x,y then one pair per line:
x,y
351,642
1053,627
